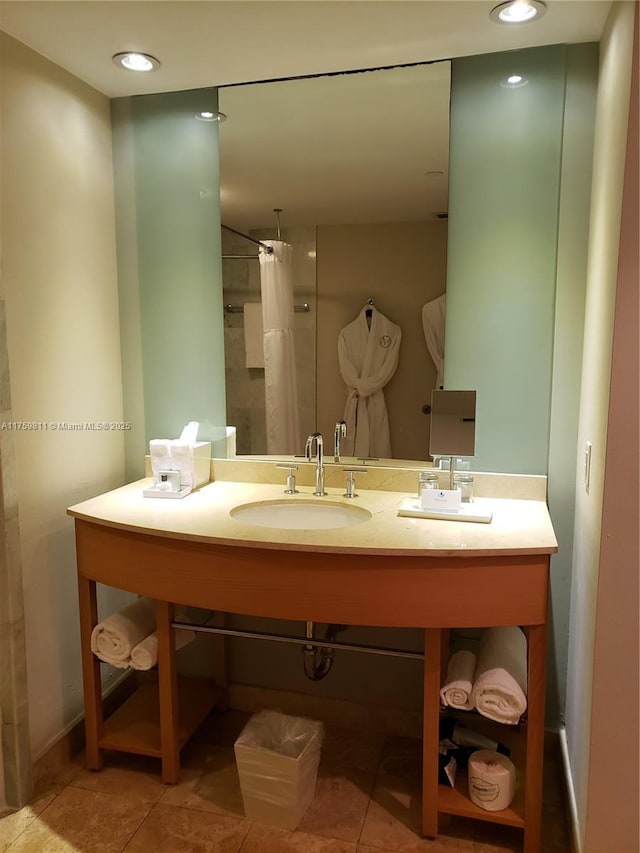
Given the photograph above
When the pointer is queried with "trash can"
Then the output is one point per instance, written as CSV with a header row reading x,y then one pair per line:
x,y
277,757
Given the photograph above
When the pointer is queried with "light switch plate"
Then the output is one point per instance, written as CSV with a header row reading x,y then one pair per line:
x,y
587,466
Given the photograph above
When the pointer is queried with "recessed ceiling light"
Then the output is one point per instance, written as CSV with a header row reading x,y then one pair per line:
x,y
208,115
514,81
132,61
517,11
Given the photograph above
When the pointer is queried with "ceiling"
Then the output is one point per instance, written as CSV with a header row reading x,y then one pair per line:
x,y
210,43
303,145
343,149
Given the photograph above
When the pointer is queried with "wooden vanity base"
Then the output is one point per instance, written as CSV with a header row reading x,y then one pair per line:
x,y
433,592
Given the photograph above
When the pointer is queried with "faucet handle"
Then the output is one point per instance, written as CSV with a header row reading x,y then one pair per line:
x,y
310,439
291,480
351,482
339,432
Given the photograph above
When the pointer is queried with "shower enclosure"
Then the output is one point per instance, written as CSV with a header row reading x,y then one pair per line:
x,y
245,386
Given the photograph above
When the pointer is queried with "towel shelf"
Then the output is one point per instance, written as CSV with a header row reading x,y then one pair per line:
x,y
135,726
238,309
456,800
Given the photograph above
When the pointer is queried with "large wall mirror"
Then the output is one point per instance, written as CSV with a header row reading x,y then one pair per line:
x,y
358,164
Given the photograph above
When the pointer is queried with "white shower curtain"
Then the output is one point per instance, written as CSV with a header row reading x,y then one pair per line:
x,y
280,380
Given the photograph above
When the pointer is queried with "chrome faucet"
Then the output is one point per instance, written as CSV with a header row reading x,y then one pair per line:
x,y
319,492
339,432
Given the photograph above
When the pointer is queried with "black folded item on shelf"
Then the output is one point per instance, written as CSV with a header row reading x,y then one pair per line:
x,y
447,764
467,740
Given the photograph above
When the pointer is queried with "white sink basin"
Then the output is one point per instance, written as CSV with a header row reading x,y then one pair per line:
x,y
302,514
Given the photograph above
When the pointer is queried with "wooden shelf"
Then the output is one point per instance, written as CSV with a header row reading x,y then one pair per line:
x,y
473,719
456,801
135,726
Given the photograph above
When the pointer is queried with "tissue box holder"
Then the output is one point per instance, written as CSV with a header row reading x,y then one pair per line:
x,y
154,492
202,463
201,471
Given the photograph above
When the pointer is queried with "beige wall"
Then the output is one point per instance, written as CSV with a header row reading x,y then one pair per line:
x,y
573,240
402,266
608,175
613,791
60,287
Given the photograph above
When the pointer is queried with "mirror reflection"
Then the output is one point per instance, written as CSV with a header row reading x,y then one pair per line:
x,y
453,423
358,166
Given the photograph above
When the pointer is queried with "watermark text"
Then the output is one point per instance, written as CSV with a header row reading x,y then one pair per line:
x,y
66,426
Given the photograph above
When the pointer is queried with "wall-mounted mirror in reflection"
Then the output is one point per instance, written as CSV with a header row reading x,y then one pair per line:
x,y
358,164
453,423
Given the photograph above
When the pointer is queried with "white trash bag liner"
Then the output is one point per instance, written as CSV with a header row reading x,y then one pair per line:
x,y
277,757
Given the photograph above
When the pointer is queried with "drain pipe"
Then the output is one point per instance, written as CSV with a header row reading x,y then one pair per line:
x,y
318,661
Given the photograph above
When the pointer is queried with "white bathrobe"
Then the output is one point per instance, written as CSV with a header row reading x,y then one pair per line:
x,y
433,314
368,358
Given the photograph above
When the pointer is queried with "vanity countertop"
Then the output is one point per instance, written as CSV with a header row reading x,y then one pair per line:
x,y
517,527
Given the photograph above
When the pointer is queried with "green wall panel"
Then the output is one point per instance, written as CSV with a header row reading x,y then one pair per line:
x,y
505,166
176,176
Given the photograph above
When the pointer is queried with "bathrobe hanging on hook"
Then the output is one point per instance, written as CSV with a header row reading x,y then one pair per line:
x,y
368,358
433,314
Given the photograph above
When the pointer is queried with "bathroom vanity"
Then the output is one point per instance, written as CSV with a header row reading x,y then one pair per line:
x,y
385,570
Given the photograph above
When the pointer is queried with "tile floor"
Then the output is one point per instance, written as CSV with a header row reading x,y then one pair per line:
x,y
367,801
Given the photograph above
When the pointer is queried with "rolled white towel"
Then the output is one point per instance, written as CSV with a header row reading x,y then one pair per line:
x,y
456,690
500,688
145,654
113,639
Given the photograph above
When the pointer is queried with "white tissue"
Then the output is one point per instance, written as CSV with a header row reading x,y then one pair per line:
x,y
189,434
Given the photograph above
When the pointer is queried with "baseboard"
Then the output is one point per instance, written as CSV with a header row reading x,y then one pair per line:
x,y
71,741
570,794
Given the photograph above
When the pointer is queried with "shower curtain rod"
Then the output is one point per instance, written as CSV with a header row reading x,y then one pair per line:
x,y
267,249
